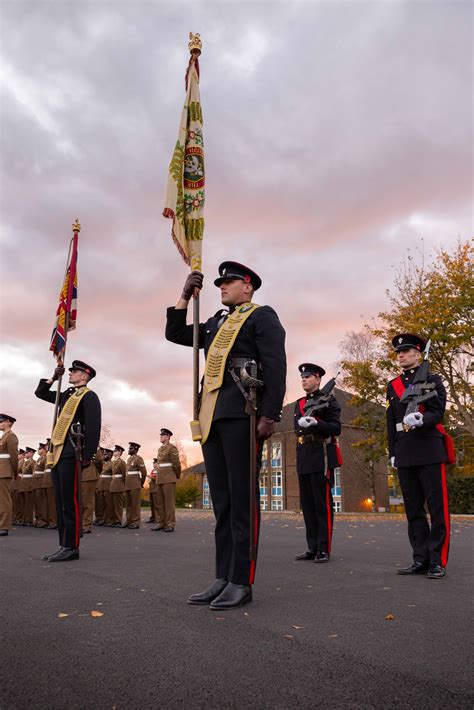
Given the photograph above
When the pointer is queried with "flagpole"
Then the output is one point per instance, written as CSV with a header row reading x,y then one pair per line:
x,y
195,51
76,228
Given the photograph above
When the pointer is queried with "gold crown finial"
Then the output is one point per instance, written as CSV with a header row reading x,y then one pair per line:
x,y
195,43
76,227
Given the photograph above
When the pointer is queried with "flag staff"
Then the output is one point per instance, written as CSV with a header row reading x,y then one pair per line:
x,y
195,51
76,228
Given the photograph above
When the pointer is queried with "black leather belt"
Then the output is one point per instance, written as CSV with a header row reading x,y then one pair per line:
x,y
310,438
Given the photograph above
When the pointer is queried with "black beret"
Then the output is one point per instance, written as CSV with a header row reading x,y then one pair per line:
x,y
309,368
230,270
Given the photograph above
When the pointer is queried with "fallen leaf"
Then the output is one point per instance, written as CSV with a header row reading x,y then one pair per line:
x,y
96,614
389,617
220,618
246,613
386,587
62,616
287,636
332,636
297,627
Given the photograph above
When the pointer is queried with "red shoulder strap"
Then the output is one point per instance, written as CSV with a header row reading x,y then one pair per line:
x,y
398,386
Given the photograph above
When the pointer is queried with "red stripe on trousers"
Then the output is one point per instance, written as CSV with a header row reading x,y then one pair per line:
x,y
445,548
253,563
328,508
76,506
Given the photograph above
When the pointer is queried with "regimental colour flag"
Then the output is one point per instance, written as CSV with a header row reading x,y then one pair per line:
x,y
184,202
66,313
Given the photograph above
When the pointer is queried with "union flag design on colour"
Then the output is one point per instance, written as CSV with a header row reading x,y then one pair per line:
x,y
67,305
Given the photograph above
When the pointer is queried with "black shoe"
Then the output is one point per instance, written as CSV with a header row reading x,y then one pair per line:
x,y
150,520
52,554
168,529
132,527
157,527
415,568
232,597
308,555
98,523
68,553
3,533
116,525
436,572
322,557
86,532
51,527
209,594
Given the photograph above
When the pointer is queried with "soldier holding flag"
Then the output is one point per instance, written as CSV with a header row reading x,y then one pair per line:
x,y
77,419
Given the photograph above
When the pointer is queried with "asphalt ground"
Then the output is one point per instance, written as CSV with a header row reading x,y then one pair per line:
x,y
314,636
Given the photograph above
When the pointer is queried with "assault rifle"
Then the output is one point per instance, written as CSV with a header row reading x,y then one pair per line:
x,y
420,389
250,383
321,400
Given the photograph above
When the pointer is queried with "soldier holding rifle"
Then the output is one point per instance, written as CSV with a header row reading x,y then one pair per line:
x,y
239,343
317,420
419,449
79,419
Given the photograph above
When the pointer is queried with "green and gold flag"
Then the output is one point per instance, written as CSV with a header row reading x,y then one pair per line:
x,y
184,202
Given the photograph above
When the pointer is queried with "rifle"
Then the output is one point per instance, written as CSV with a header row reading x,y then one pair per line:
x,y
321,401
77,438
420,389
248,378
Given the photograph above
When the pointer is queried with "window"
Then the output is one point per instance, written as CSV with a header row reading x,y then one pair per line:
x,y
263,504
394,490
277,484
336,490
206,501
205,483
263,483
277,505
276,454
337,506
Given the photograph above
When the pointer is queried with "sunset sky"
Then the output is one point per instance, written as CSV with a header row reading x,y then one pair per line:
x,y
337,135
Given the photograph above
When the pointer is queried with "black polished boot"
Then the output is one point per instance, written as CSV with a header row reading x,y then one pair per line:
x,y
68,553
436,572
233,596
308,555
415,568
158,527
209,594
52,554
322,557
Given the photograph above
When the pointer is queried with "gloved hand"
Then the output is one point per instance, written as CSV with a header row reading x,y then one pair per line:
x,y
58,372
305,422
265,428
414,420
193,281
392,461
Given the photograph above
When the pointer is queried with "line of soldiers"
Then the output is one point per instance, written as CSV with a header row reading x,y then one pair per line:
x,y
110,486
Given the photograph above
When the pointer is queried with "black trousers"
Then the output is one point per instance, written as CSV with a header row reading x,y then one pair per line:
x,y
227,459
318,510
422,484
65,478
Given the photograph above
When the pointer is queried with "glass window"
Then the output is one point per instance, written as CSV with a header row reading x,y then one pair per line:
x,y
337,506
277,505
205,483
206,501
276,454
263,504
277,483
336,490
263,483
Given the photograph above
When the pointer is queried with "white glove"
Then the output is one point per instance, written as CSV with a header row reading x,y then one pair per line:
x,y
305,422
413,420
392,461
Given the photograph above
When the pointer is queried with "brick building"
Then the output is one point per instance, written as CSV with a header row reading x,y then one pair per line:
x,y
354,482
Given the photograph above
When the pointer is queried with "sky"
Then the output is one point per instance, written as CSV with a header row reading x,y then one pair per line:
x,y
338,134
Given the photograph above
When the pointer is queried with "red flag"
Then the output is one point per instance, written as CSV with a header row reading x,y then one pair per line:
x,y
66,313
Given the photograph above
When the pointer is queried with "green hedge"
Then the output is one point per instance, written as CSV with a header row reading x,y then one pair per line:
x,y
461,494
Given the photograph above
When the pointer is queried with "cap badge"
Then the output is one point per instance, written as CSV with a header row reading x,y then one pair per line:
x,y
247,279
400,340
245,308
